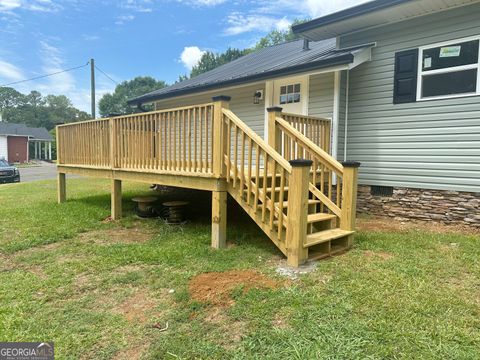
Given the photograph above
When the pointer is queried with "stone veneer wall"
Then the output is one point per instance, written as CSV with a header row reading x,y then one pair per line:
x,y
450,207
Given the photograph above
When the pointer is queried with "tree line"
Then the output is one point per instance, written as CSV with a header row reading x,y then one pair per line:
x,y
36,110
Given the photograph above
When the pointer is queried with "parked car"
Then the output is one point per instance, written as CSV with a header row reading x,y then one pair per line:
x,y
8,173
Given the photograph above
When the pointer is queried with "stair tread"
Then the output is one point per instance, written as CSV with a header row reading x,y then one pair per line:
x,y
313,218
319,217
326,235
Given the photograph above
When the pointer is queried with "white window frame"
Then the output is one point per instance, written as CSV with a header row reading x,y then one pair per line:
x,y
422,73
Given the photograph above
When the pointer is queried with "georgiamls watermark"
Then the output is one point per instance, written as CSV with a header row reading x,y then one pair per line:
x,y
26,351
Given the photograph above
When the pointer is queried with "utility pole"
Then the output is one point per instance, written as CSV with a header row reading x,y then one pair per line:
x,y
92,84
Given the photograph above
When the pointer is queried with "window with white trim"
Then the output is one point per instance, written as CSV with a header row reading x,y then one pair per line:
x,y
290,94
449,70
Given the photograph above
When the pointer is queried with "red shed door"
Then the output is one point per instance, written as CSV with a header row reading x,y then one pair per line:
x,y
17,149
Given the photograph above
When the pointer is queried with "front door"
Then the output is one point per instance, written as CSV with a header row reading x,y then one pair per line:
x,y
291,94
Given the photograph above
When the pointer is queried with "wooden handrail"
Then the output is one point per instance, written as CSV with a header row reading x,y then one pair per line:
x,y
310,145
315,128
258,140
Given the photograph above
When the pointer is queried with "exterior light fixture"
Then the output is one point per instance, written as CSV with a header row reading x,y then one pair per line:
x,y
257,97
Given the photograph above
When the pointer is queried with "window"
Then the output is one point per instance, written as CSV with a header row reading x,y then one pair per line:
x,y
449,70
290,94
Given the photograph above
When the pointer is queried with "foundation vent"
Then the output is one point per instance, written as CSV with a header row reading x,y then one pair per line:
x,y
384,191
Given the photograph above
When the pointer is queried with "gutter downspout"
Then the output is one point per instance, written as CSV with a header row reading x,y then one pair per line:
x,y
347,90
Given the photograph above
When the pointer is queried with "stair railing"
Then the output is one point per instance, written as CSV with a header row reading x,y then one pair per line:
x,y
331,182
316,129
258,178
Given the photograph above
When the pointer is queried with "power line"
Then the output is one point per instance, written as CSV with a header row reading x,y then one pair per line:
x,y
47,75
104,73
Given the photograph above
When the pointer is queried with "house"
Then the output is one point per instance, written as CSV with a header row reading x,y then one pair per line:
x,y
15,140
400,82
393,84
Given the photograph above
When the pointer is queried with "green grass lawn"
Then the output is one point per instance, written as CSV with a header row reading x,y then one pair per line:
x,y
103,290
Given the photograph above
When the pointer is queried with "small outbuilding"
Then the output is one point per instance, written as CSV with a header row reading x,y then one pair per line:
x,y
15,142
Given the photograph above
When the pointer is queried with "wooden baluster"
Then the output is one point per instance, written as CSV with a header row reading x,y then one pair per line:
x,y
229,148
249,171
235,156
242,164
273,193
281,199
257,174
195,135
265,181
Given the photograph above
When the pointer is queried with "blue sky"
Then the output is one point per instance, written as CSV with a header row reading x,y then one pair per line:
x,y
127,38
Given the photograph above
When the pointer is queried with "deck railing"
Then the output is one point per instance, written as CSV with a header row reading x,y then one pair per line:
x,y
174,140
318,130
284,184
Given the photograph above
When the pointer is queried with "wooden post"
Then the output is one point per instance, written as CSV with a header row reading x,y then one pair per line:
x,y
113,143
349,197
273,135
61,187
219,219
219,135
116,199
297,212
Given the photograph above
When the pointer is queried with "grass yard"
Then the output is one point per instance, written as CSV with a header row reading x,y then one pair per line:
x,y
103,290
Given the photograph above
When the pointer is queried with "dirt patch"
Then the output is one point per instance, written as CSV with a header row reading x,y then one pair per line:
x,y
386,224
216,287
117,236
280,321
137,307
134,352
232,330
377,254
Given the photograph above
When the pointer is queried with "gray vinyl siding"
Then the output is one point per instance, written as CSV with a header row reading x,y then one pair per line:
x,y
321,95
429,144
241,104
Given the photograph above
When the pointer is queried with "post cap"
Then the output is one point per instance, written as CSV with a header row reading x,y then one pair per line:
x,y
221,98
354,164
275,109
301,162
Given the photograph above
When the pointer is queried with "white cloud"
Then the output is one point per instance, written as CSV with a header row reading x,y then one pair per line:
x,y
310,8
7,5
239,23
143,6
87,37
10,72
124,19
190,56
202,2
31,5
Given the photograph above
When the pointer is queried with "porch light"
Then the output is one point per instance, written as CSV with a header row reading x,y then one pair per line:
x,y
257,97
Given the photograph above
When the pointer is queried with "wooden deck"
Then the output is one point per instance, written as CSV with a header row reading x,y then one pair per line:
x,y
301,197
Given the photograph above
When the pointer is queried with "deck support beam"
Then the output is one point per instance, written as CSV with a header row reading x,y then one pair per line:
x,y
61,187
219,219
116,199
298,212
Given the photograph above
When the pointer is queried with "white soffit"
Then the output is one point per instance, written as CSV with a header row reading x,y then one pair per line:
x,y
392,14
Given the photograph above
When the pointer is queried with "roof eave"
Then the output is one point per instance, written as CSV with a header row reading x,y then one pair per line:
x,y
340,60
346,14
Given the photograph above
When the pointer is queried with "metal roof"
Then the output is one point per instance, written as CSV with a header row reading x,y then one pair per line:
x,y
23,130
372,14
283,59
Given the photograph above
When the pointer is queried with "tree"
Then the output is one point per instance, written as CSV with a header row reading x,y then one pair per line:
x,y
116,103
210,60
37,111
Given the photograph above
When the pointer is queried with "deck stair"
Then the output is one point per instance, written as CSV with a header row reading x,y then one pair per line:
x,y
300,196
